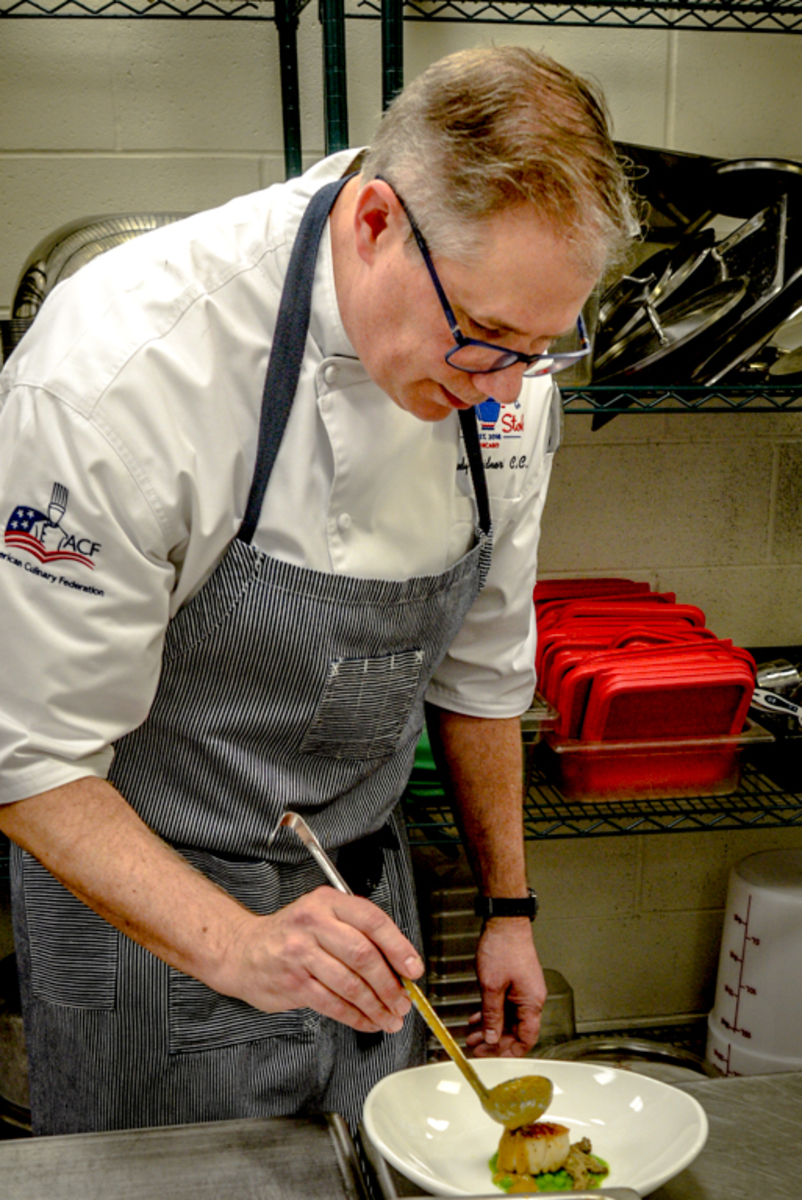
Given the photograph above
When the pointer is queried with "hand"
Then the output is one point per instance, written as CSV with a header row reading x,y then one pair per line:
x,y
339,955
51,535
513,990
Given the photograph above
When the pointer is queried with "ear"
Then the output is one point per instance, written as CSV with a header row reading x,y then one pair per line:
x,y
378,219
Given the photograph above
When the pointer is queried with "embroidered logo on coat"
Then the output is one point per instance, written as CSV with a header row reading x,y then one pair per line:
x,y
497,421
44,535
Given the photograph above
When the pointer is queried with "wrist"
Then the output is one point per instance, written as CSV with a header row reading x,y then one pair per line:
x,y
229,949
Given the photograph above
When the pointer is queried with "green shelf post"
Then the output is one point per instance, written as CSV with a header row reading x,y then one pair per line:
x,y
392,23
286,19
332,19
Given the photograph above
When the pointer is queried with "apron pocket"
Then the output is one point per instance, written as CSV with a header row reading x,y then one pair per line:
x,y
202,1019
74,952
199,1017
365,706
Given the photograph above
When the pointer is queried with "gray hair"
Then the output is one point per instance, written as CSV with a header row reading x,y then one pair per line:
x,y
486,129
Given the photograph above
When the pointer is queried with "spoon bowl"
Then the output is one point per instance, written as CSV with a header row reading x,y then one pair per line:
x,y
520,1101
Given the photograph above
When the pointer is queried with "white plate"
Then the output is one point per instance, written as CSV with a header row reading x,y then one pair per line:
x,y
427,1122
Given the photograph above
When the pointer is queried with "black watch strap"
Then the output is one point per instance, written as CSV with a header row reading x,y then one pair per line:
x,y
504,906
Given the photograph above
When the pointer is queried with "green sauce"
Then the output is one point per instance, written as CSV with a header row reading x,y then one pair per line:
x,y
549,1181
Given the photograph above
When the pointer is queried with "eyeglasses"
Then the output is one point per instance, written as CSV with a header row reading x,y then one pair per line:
x,y
483,358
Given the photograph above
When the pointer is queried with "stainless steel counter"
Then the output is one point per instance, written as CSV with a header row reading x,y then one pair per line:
x,y
755,1141
754,1147
283,1159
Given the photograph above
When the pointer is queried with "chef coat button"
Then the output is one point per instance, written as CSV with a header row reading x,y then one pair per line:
x,y
330,373
344,522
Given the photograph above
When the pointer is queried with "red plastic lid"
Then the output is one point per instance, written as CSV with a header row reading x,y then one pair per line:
x,y
564,589
571,687
625,606
610,635
685,703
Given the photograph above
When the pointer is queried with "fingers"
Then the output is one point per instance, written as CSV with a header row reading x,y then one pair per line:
x,y
492,1015
334,1005
347,946
528,1028
340,955
512,1025
379,929
516,1038
506,1047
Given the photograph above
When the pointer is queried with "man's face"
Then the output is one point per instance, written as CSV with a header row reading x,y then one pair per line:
x,y
522,292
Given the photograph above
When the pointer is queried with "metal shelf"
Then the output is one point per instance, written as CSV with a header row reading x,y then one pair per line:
x,y
251,10
720,16
739,16
758,804
283,13
768,16
597,398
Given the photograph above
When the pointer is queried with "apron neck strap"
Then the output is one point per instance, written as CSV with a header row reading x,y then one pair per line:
x,y
470,434
289,345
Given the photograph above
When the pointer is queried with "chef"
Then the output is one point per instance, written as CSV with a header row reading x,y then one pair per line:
x,y
284,533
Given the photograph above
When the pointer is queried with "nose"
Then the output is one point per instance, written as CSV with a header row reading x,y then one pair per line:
x,y
504,386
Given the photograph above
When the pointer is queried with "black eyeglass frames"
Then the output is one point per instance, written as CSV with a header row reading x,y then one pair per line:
x,y
475,357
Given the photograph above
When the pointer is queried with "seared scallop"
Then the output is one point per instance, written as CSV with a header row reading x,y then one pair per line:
x,y
532,1149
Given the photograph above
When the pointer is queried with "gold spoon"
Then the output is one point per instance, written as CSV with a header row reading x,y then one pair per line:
x,y
514,1102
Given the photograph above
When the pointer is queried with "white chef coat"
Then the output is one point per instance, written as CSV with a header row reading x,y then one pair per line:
x,y
138,392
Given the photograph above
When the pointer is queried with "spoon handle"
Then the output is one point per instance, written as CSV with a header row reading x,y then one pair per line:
x,y
418,998
443,1035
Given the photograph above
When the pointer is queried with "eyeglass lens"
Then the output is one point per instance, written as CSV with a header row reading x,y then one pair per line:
x,y
485,360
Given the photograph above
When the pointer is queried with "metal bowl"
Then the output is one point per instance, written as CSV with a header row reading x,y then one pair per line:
x,y
659,1060
743,185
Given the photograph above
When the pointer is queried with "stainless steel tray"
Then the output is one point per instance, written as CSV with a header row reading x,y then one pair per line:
x,y
284,1158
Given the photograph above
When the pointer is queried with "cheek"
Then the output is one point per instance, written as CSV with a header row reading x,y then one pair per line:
x,y
406,335
414,354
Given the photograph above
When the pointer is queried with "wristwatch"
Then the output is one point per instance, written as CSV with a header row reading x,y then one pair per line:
x,y
503,906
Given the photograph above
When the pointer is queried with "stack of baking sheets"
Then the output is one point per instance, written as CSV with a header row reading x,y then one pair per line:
x,y
650,701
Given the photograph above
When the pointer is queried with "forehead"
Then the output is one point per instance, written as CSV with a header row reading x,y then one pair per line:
x,y
524,275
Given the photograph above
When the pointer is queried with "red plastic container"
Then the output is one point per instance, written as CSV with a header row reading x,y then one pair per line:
x,y
646,770
650,703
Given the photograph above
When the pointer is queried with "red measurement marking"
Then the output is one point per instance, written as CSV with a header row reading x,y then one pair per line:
x,y
725,1060
740,959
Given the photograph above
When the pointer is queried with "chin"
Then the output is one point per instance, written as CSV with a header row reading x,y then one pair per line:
x,y
430,403
431,412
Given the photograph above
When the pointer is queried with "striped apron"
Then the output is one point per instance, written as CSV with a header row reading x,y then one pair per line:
x,y
281,688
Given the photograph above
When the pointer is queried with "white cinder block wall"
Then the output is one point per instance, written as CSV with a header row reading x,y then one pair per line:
x,y
104,116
